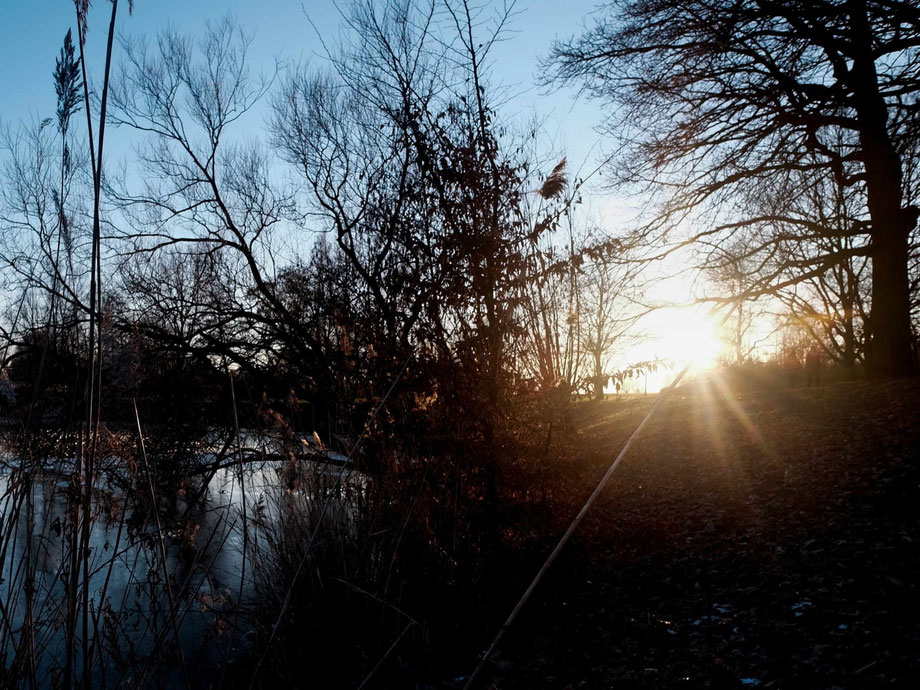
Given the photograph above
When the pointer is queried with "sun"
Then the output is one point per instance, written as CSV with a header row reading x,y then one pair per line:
x,y
679,336
688,337
675,337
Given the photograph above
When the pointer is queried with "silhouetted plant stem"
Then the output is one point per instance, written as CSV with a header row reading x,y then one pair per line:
x,y
242,470
95,349
160,541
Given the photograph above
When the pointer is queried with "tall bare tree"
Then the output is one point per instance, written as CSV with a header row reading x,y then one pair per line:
x,y
715,98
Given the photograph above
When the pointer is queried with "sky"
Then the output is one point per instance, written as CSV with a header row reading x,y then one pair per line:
x,y
31,35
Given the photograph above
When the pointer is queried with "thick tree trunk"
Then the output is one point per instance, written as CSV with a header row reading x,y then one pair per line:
x,y
599,378
890,352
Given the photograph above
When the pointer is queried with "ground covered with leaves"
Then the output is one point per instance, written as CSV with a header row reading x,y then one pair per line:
x,y
757,539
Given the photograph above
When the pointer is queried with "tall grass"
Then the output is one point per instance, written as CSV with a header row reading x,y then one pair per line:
x,y
137,602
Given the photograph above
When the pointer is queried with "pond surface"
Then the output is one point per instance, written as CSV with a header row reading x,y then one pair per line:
x,y
204,617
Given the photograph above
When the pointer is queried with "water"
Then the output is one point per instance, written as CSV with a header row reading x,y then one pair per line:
x,y
133,625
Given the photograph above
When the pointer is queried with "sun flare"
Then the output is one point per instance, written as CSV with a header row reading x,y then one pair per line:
x,y
689,338
676,337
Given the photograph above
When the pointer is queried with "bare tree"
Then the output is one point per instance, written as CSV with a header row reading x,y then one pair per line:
x,y
204,192
714,99
608,311
399,147
734,276
831,306
352,133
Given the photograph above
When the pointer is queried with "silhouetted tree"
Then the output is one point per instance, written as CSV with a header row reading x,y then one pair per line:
x,y
714,99
831,306
732,276
607,312
401,151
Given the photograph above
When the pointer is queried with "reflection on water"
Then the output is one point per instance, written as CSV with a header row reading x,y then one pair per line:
x,y
132,622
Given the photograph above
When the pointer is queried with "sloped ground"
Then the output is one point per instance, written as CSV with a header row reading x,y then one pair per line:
x,y
767,539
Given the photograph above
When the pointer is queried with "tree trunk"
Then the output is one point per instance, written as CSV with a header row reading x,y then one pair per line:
x,y
739,336
599,378
890,352
849,344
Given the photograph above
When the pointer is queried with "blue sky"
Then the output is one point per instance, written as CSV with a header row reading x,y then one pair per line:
x,y
31,34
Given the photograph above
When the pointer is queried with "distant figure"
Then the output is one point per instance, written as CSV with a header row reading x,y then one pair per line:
x,y
813,365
